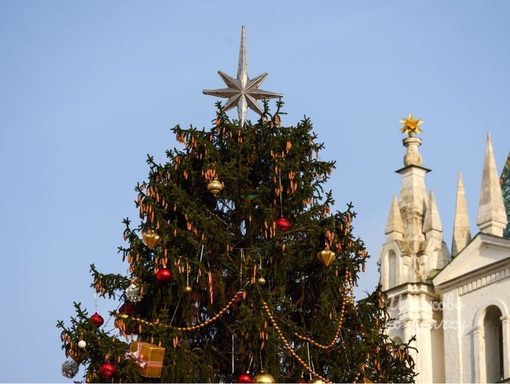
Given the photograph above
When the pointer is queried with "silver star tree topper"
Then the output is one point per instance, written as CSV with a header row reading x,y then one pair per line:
x,y
242,91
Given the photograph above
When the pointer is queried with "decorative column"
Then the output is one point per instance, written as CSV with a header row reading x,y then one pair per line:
x,y
505,325
424,345
479,354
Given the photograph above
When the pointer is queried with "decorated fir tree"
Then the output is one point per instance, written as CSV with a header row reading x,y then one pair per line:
x,y
238,270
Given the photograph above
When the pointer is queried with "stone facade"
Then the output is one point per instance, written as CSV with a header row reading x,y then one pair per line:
x,y
455,304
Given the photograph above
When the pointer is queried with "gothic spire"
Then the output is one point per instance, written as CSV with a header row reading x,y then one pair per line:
x,y
394,226
492,217
432,226
461,229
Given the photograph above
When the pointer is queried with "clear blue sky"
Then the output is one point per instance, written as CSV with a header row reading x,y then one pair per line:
x,y
88,88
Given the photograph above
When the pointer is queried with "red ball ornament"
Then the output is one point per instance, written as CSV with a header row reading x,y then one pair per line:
x,y
97,319
237,300
164,275
245,378
283,224
107,370
127,308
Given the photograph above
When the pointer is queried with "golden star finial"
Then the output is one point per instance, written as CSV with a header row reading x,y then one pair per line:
x,y
411,126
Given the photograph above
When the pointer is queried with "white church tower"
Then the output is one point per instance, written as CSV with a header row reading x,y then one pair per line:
x,y
455,305
413,252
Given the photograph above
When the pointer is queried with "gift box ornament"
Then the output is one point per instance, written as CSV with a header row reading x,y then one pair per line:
x,y
149,358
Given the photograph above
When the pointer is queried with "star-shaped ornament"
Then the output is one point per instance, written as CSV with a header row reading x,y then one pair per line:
x,y
242,91
411,126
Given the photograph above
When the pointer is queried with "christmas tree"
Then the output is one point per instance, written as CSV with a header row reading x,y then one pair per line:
x,y
239,271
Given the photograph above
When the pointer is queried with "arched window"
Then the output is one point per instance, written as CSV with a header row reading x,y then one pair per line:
x,y
392,269
493,335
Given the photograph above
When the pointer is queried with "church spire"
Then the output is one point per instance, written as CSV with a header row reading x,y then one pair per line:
x,y
432,226
492,217
461,229
394,226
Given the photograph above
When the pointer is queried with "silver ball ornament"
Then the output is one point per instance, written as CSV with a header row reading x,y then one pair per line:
x,y
70,368
133,293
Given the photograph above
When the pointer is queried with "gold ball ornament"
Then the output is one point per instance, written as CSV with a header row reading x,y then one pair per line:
x,y
188,289
215,187
262,281
317,381
264,377
326,256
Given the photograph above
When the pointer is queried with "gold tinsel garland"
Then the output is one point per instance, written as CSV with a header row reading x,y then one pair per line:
x,y
242,293
287,345
198,326
338,329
